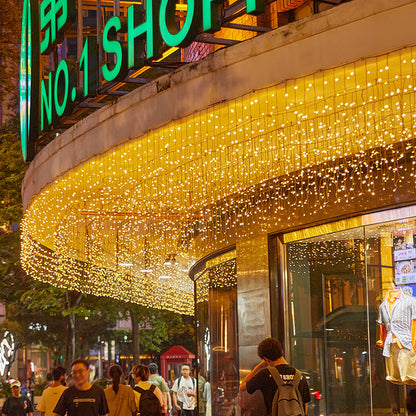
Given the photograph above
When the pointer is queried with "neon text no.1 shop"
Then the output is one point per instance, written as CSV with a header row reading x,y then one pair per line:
x,y
146,29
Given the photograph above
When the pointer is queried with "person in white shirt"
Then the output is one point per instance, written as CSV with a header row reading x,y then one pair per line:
x,y
51,395
184,392
207,397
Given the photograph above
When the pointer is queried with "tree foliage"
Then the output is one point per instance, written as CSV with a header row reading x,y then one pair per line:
x,y
10,29
159,330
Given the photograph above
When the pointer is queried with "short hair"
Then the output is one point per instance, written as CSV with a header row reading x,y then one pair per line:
x,y
186,365
153,368
81,361
141,371
58,372
270,348
115,371
411,401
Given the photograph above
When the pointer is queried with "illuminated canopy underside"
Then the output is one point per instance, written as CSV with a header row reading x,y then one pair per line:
x,y
109,226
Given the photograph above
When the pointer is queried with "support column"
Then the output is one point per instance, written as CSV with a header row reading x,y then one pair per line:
x,y
253,292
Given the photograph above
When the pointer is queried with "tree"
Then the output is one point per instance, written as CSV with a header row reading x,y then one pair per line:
x,y
75,318
12,170
181,331
37,312
157,330
10,29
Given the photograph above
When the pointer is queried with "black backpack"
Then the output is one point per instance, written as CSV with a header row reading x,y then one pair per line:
x,y
149,403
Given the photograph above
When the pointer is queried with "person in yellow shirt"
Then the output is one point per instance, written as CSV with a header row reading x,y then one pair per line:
x,y
52,394
153,402
120,398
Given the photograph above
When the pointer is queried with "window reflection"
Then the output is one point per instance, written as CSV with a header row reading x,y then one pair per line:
x,y
216,312
328,334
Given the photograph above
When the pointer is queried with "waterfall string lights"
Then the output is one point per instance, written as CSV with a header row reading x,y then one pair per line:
x,y
222,276
207,180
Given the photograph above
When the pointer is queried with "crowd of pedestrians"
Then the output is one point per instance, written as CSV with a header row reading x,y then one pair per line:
x,y
149,396
283,388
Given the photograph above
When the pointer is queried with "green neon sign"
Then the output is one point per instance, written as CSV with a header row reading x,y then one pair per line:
x,y
142,33
88,64
29,75
43,102
46,103
56,16
191,26
118,69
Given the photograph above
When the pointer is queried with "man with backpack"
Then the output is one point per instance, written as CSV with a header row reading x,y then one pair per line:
x,y
285,390
184,392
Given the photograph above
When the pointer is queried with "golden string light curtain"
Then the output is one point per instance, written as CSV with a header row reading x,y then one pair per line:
x,y
222,174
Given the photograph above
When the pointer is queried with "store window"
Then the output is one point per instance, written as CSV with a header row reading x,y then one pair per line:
x,y
391,275
328,335
353,285
217,335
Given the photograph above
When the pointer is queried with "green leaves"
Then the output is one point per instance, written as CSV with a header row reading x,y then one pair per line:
x,y
10,24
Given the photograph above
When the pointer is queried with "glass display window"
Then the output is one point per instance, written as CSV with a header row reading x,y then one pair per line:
x,y
217,336
328,335
350,297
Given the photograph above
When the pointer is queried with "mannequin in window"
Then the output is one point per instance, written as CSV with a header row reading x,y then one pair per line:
x,y
397,320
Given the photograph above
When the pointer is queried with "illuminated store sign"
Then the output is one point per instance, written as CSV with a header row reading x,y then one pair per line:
x,y
29,71
145,30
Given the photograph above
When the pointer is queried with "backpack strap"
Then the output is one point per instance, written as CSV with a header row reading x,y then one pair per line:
x,y
297,378
193,382
276,376
141,391
279,382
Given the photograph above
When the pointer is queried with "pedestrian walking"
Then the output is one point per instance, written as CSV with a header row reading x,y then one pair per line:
x,y
17,404
160,382
207,397
52,394
201,383
262,377
83,398
120,398
151,401
184,392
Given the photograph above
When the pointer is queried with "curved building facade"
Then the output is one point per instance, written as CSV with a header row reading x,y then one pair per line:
x,y
268,188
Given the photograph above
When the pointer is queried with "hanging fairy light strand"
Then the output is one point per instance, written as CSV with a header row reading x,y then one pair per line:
x,y
215,176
